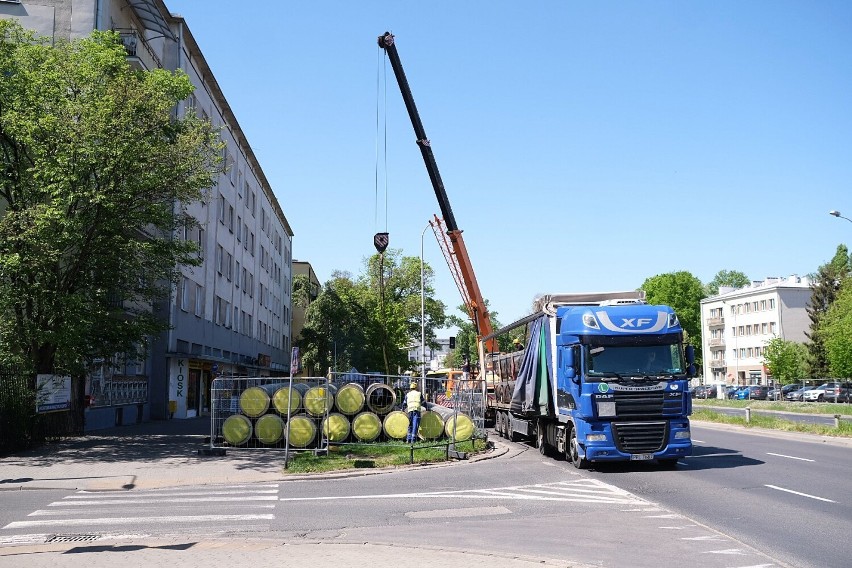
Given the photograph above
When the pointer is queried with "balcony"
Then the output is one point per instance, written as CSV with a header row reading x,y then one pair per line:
x,y
717,364
139,52
717,342
716,322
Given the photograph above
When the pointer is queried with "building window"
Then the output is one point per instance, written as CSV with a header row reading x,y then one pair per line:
x,y
771,303
186,289
200,242
199,300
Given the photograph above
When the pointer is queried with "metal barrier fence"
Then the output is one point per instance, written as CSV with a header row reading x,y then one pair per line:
x,y
311,413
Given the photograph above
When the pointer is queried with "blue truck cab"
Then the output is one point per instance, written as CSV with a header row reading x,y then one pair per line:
x,y
600,379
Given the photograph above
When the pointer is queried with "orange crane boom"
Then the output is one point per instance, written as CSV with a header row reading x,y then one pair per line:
x,y
454,251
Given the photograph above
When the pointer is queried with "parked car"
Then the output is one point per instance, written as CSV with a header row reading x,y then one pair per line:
x,y
816,394
752,392
705,391
731,392
832,391
838,392
797,395
781,393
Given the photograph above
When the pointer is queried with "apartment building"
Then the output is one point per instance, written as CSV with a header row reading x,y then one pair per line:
x,y
433,358
230,316
738,323
298,320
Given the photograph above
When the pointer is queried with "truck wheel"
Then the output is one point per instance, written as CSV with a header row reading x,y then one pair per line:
x,y
510,432
541,439
574,452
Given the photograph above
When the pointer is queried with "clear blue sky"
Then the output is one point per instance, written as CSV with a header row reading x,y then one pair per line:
x,y
584,146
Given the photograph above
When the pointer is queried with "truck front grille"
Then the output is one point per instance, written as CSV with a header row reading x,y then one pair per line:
x,y
647,404
639,437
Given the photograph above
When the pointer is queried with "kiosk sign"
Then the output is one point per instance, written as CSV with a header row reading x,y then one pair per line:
x,y
53,393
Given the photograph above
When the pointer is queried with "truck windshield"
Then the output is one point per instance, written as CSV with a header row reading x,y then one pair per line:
x,y
615,362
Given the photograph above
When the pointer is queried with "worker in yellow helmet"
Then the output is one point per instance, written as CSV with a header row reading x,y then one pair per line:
x,y
413,404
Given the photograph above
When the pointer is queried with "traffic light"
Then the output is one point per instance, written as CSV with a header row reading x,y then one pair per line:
x,y
452,342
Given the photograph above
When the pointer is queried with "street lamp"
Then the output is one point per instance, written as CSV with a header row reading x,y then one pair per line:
x,y
837,214
423,315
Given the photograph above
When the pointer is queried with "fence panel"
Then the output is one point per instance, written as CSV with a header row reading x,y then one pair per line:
x,y
311,413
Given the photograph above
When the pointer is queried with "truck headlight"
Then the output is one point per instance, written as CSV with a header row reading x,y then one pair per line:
x,y
606,408
596,437
682,434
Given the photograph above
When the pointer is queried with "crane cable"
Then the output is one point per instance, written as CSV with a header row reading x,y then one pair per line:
x,y
382,135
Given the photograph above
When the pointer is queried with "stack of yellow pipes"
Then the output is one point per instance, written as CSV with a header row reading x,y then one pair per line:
x,y
340,413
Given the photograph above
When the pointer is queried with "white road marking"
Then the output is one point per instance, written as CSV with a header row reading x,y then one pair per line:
x,y
140,520
678,528
183,489
455,513
725,455
789,457
801,494
156,509
138,495
165,500
704,537
726,551
694,441
585,491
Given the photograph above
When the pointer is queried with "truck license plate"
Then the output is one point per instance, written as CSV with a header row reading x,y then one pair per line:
x,y
635,457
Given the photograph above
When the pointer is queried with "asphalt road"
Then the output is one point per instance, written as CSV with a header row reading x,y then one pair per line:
x,y
786,495
743,499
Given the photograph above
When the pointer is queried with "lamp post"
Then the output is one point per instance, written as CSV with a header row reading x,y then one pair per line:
x,y
423,315
837,214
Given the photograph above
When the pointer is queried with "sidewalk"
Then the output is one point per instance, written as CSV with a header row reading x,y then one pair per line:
x,y
166,454
149,455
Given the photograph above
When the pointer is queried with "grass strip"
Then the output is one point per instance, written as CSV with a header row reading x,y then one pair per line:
x,y
343,457
774,423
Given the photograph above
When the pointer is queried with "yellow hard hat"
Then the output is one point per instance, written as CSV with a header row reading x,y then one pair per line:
x,y
414,385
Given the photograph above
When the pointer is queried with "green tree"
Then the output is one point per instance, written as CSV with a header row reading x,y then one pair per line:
x,y
393,284
836,332
826,284
370,322
731,278
683,292
97,171
466,345
785,360
335,334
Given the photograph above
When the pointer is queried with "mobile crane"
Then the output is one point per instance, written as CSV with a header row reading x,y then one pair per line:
x,y
454,251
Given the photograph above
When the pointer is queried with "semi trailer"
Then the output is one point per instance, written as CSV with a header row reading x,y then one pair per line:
x,y
595,377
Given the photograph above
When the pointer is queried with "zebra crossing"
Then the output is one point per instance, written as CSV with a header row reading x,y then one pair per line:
x,y
578,491
250,507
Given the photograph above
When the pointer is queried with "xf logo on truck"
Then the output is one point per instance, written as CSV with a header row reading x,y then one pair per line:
x,y
634,325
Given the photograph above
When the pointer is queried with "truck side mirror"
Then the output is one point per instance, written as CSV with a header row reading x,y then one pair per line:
x,y
568,364
690,359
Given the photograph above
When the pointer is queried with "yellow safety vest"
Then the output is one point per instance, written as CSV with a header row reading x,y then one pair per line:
x,y
412,401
